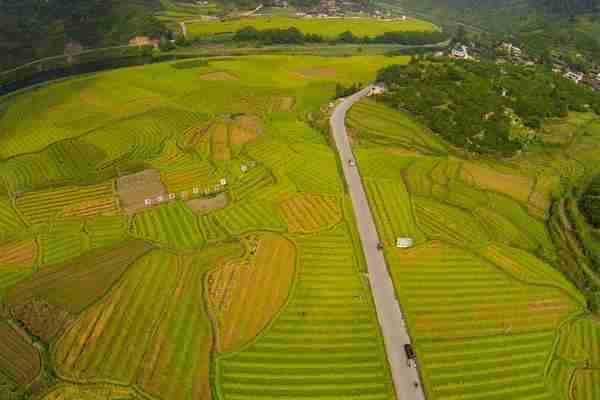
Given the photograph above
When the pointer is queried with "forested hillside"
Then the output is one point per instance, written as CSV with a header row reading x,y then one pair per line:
x,y
31,29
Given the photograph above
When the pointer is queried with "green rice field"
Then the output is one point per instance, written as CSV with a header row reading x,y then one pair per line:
x,y
329,28
490,314
124,192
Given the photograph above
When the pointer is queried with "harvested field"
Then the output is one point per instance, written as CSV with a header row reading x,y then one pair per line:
x,y
204,206
19,253
237,296
219,76
20,361
318,72
134,189
47,205
311,212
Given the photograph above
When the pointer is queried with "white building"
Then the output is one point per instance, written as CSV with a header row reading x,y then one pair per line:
x,y
512,50
376,89
574,76
404,242
598,76
460,52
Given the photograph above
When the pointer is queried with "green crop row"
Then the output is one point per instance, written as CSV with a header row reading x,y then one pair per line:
x,y
325,342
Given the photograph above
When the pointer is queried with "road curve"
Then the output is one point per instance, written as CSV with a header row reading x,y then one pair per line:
x,y
389,314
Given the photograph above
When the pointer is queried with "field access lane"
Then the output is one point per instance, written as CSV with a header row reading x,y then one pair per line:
x,y
389,314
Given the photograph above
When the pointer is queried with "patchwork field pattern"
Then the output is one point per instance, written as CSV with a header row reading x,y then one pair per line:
x,y
173,224
237,290
484,303
22,253
45,206
325,344
309,212
471,320
126,296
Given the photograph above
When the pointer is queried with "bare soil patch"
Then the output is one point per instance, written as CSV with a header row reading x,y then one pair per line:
x,y
135,188
203,206
219,76
317,72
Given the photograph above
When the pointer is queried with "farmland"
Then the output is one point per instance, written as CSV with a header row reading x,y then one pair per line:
x,y
162,234
329,28
490,313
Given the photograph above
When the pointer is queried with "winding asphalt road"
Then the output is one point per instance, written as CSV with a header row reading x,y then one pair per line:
x,y
389,314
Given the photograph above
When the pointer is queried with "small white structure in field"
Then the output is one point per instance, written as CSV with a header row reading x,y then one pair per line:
x,y
403,18
172,196
223,182
244,168
196,190
404,243
148,202
376,89
160,199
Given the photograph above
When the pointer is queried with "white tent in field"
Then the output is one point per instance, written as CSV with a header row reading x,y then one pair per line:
x,y
404,242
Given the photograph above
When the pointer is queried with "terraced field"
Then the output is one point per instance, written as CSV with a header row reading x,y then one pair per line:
x,y
489,313
161,224
325,344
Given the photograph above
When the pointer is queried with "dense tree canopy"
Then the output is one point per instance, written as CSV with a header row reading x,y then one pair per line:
x,y
479,106
590,202
32,29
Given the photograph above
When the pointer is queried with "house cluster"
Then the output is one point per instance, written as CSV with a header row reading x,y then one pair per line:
x,y
511,50
591,79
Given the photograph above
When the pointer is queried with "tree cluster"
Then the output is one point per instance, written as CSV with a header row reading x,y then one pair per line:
x,y
477,105
343,91
589,204
31,29
402,38
295,36
290,35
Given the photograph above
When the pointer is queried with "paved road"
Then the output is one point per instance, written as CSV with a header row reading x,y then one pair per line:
x,y
389,314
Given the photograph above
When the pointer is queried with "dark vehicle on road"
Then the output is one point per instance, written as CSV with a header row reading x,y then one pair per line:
x,y
410,353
